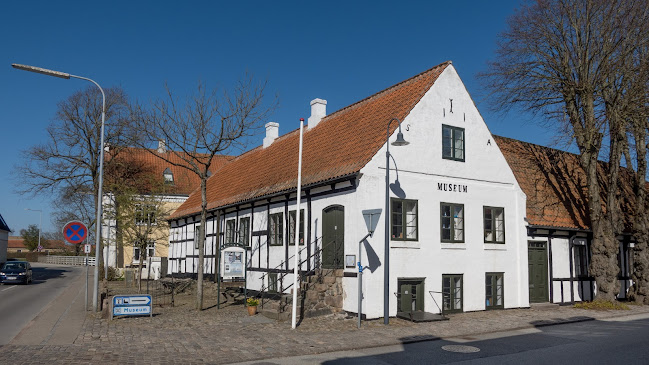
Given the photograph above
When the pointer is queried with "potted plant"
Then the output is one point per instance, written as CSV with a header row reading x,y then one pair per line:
x,y
252,306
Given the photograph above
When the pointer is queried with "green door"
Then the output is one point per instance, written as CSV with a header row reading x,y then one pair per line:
x,y
411,296
538,272
333,237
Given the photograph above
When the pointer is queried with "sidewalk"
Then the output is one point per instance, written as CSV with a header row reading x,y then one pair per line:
x,y
60,322
182,335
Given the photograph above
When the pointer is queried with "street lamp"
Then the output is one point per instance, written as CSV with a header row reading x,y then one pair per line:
x,y
386,271
64,75
40,225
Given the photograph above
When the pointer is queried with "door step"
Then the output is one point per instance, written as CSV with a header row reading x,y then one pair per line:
x,y
544,306
419,316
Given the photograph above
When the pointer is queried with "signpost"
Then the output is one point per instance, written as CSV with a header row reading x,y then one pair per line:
x,y
76,232
131,305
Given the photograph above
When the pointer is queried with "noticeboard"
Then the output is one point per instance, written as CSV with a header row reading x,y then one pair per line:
x,y
233,262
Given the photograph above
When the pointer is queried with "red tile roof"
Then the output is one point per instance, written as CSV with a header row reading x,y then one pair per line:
x,y
19,242
555,184
185,181
340,145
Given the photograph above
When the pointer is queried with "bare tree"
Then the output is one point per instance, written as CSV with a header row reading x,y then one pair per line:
x,y
557,59
68,162
198,128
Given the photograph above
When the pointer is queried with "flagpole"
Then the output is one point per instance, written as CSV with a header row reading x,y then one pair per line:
x,y
297,227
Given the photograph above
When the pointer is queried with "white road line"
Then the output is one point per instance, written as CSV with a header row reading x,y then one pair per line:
x,y
5,289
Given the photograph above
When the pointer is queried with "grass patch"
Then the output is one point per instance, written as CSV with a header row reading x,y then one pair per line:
x,y
602,305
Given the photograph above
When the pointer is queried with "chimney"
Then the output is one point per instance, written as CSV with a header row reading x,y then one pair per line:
x,y
272,132
318,111
162,146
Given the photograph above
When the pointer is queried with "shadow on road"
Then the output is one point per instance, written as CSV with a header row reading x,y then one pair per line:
x,y
42,274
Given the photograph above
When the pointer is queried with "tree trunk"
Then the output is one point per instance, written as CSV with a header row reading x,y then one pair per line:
x,y
201,244
604,267
639,292
139,272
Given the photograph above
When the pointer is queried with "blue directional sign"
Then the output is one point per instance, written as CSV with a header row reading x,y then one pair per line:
x,y
132,305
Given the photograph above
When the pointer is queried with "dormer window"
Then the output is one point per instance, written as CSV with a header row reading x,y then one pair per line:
x,y
168,176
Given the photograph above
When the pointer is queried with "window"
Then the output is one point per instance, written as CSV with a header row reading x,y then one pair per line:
x,y
197,229
276,229
145,214
452,143
581,261
494,225
168,176
451,293
494,290
404,220
230,228
272,282
150,251
291,227
244,231
452,222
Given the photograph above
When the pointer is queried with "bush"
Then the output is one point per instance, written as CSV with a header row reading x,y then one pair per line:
x,y
602,305
112,273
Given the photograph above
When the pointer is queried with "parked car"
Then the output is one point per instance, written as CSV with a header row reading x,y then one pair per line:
x,y
16,272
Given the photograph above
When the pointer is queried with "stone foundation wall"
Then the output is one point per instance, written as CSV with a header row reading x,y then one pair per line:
x,y
323,293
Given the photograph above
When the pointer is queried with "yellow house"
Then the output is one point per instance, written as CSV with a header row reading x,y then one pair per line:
x,y
161,184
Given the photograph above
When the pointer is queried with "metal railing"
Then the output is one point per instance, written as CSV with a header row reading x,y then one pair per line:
x,y
68,260
263,292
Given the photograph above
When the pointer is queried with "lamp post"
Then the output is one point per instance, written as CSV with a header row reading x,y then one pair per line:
x,y
64,75
40,225
386,271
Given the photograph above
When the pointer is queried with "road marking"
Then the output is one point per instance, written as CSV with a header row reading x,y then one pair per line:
x,y
5,289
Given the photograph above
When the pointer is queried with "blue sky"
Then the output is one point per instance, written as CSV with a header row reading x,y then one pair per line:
x,y
341,51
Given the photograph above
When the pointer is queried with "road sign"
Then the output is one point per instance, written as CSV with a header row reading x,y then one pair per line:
x,y
87,248
75,232
40,248
132,305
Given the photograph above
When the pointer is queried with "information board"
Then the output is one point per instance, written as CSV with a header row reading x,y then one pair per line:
x,y
233,263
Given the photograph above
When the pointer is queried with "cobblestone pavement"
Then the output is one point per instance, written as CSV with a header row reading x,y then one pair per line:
x,y
182,335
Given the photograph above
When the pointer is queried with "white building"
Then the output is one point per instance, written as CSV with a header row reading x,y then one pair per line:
x,y
457,211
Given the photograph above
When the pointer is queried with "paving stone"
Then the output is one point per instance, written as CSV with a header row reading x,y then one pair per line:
x,y
219,336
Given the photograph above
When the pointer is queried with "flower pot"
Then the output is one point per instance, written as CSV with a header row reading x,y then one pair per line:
x,y
252,310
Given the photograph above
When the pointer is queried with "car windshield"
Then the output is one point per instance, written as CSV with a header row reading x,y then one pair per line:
x,y
14,266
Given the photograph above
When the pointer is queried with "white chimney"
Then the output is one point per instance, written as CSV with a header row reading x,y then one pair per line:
x,y
162,146
272,132
318,111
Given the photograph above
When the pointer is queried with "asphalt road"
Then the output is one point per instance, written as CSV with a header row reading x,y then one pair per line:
x,y
592,342
19,304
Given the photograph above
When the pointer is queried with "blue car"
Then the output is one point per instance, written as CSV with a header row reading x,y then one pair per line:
x,y
16,272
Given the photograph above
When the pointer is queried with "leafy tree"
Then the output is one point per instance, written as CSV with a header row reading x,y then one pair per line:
x,y
30,237
570,60
198,128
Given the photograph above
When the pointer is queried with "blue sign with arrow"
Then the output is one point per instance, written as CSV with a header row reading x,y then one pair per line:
x,y
132,305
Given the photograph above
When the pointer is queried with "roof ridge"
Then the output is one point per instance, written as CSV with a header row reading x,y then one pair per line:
x,y
386,90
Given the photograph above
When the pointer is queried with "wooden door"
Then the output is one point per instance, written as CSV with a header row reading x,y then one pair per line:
x,y
538,272
333,237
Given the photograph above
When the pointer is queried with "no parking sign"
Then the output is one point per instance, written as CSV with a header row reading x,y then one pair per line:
x,y
75,232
